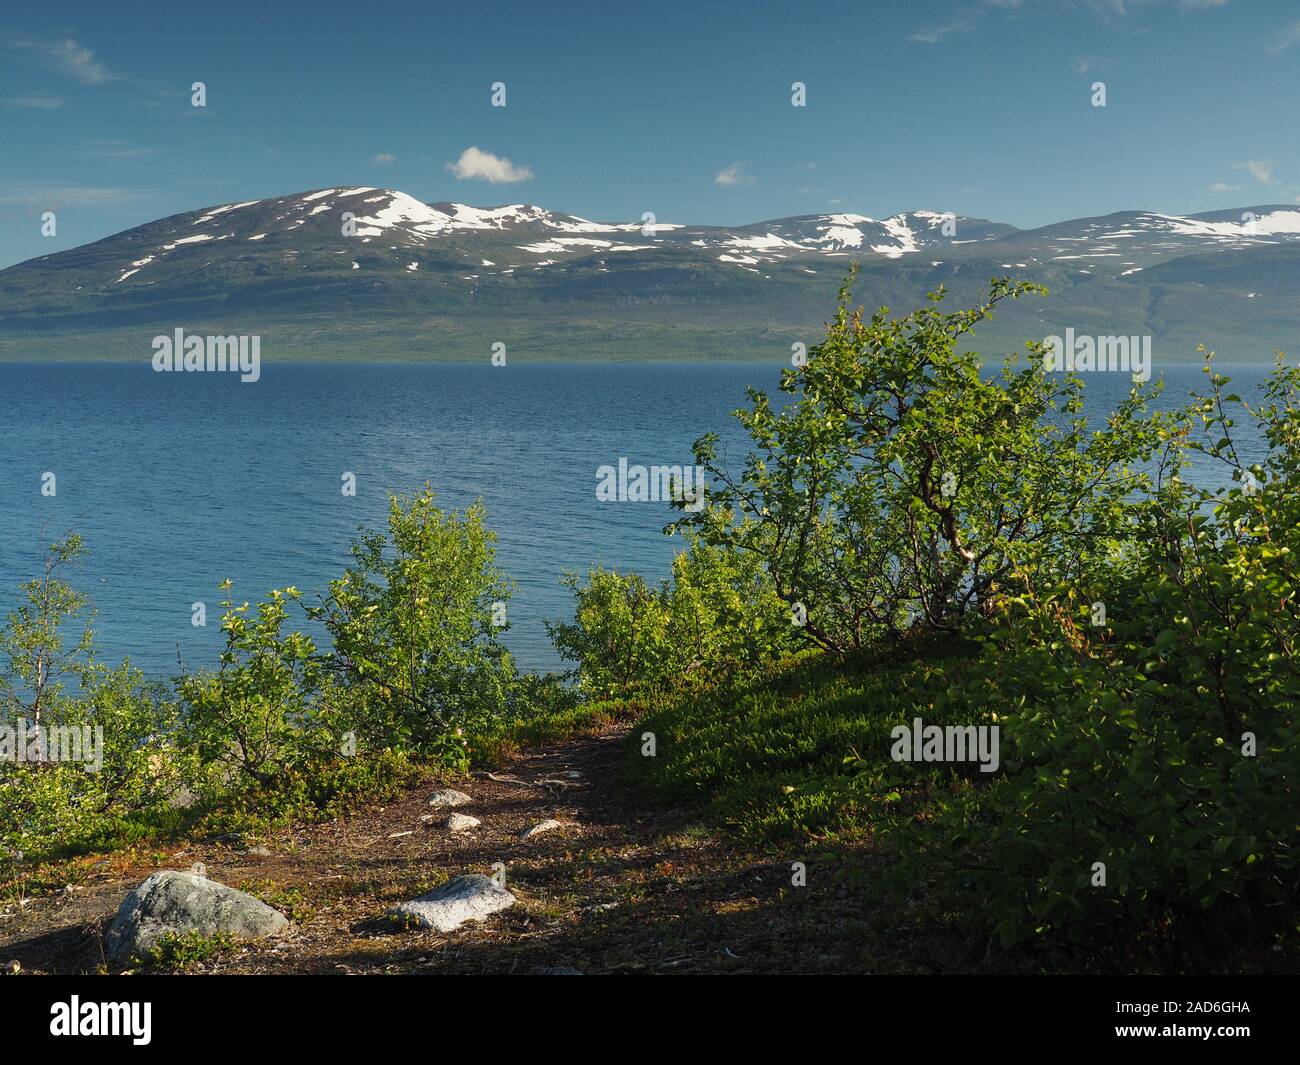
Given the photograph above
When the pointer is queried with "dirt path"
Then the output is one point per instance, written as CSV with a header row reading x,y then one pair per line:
x,y
617,889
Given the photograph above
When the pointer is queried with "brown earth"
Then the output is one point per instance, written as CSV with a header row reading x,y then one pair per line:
x,y
619,889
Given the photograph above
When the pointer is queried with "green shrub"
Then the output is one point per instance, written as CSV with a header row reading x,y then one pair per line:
x,y
1162,745
417,662
179,952
900,486
122,769
718,610
255,719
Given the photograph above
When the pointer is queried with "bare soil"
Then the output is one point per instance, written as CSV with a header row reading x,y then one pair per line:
x,y
618,889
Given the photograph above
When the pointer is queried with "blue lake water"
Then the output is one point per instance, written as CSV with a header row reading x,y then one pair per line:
x,y
177,481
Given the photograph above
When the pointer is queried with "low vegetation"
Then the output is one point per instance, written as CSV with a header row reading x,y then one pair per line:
x,y
914,543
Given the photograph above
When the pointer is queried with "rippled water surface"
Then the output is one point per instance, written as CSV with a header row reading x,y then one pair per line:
x,y
178,481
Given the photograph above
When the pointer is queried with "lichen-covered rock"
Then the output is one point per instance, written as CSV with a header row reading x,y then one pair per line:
x,y
549,825
449,797
460,823
462,898
173,902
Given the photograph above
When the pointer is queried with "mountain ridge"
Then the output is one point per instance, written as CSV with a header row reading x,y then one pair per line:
x,y
367,258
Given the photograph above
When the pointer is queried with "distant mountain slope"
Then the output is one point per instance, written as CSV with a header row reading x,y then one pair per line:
x,y
362,271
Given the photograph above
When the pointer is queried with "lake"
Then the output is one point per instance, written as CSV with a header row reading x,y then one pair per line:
x,y
178,481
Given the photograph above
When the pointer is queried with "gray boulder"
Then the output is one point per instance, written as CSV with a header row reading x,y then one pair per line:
x,y
460,899
549,825
186,902
449,797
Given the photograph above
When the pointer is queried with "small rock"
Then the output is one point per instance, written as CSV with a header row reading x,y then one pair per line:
x,y
13,968
549,825
463,898
449,797
261,852
460,823
185,902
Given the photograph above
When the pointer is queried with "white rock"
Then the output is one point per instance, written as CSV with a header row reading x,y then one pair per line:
x,y
463,898
549,825
449,797
460,823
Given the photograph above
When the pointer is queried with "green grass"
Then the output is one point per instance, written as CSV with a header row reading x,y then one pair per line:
x,y
555,726
778,755
178,952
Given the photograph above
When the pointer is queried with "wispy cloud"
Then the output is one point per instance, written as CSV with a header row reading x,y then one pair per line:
x,y
383,159
1260,169
1284,38
37,101
935,34
730,176
113,149
67,56
474,163
1223,186
55,196
1124,8
966,21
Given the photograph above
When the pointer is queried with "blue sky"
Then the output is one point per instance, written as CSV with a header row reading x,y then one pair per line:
x,y
981,107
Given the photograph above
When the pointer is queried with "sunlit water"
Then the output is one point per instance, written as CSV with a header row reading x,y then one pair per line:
x,y
177,481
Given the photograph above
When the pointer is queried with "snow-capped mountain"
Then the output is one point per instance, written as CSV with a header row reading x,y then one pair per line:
x,y
352,256
1130,240
371,222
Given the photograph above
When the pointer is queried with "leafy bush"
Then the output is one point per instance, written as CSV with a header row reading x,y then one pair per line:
x,y
415,623
900,486
718,609
1164,744
254,719
117,731
180,952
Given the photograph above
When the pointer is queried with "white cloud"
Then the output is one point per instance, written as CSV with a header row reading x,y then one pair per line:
x,y
732,175
68,57
935,34
37,101
1223,186
497,170
383,159
1260,169
1285,38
